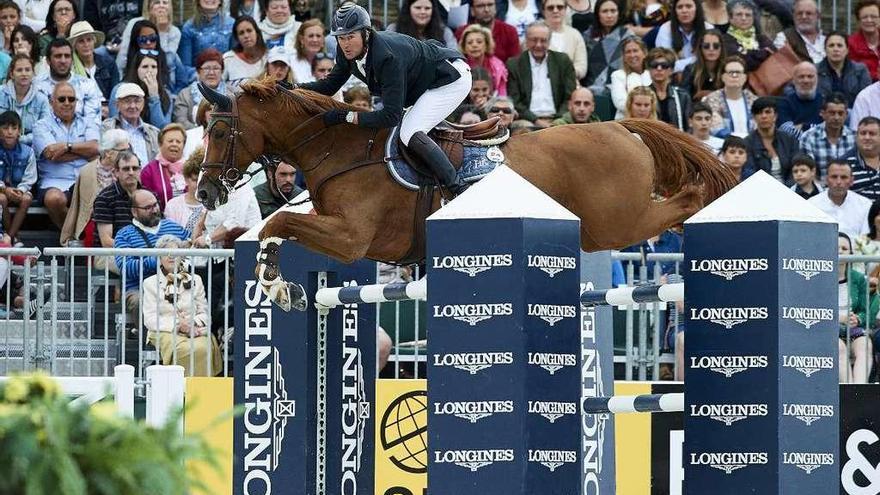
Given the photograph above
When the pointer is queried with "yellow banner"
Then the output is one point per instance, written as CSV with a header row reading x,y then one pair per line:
x,y
401,437
207,399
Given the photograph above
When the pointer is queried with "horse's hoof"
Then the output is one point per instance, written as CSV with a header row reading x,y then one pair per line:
x,y
297,296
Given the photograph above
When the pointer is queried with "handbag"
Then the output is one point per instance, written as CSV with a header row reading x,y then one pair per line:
x,y
772,75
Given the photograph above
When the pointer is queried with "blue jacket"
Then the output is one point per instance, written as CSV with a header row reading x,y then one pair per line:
x,y
18,167
669,242
216,33
106,75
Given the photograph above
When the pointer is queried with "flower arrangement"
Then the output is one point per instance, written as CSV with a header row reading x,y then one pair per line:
x,y
49,446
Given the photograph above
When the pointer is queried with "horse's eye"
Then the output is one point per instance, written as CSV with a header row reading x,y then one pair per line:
x,y
220,134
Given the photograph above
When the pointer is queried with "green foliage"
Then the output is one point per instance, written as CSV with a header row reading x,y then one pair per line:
x,y
48,446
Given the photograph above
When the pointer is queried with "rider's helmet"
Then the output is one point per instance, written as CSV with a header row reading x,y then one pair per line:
x,y
349,18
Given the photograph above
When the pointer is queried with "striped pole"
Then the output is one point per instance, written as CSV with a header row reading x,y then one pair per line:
x,y
634,404
630,296
363,294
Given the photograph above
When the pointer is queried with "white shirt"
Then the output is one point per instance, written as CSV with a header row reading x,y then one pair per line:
x,y
815,50
240,210
541,103
851,216
867,103
739,117
236,69
520,19
713,143
302,69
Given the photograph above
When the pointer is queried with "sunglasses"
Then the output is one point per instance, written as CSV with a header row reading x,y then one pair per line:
x,y
552,8
144,51
500,110
711,46
660,65
142,40
65,99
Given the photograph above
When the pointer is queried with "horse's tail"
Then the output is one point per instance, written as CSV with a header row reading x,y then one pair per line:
x,y
680,161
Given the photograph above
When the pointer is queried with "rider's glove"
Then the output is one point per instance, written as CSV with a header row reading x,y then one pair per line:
x,y
334,117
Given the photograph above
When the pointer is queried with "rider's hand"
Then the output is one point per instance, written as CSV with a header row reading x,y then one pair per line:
x,y
334,117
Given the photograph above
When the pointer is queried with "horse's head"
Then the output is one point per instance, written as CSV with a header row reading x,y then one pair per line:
x,y
228,152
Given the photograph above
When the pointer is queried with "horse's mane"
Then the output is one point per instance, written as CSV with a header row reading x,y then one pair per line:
x,y
298,100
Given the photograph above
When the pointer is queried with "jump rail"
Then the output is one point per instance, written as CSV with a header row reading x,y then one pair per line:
x,y
332,297
634,404
628,296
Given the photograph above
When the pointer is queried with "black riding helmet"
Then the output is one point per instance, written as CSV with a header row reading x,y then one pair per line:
x,y
349,18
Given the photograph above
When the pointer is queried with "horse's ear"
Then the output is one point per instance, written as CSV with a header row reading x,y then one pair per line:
x,y
222,102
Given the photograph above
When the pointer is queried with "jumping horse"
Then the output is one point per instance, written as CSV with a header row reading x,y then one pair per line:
x,y
627,181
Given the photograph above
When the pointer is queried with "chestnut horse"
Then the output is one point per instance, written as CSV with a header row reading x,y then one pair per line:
x,y
624,188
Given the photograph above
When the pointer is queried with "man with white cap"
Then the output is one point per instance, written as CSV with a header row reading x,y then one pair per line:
x,y
144,138
89,63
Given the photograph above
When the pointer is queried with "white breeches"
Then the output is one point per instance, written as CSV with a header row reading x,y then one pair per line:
x,y
436,104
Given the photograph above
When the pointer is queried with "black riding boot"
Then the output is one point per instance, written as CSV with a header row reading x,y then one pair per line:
x,y
434,157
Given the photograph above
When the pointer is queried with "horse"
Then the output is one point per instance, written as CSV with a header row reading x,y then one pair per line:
x,y
627,181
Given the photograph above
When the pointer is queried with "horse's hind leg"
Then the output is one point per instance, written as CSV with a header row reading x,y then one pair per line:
x,y
672,212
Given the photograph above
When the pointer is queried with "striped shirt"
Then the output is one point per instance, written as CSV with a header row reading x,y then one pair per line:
x,y
815,143
866,180
131,237
113,205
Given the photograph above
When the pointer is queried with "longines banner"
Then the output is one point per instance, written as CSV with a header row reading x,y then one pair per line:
x,y
290,365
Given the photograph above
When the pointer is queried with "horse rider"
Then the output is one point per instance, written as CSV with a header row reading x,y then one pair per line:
x,y
404,71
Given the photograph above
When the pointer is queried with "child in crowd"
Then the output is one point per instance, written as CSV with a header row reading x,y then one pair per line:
x,y
359,96
735,156
18,173
700,121
803,169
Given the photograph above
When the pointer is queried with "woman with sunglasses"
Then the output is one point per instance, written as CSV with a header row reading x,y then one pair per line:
x,y
682,31
603,40
144,71
247,58
59,18
160,13
704,75
145,40
744,35
309,43
673,103
565,39
631,75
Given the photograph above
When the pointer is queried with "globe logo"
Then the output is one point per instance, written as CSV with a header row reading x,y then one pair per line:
x,y
404,432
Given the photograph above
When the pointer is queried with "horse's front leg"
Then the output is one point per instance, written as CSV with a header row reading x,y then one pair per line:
x,y
329,235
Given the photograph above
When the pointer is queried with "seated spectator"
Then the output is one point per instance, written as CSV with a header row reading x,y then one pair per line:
x,y
147,226
641,103
730,104
700,123
502,106
18,174
673,103
164,175
506,35
278,66
666,242
10,18
309,43
863,42
770,150
837,73
799,108
144,40
564,38
160,13
681,32
734,154
89,63
176,315
581,105
144,138
482,87
185,210
805,38
322,65
24,41
847,207
279,27
867,104
715,13
603,41
832,138
88,96
278,190
109,18
209,67
20,96
646,16
359,97
541,80
477,46
59,18
247,57
469,115
864,159
803,171
419,19
209,27
869,244
856,310
93,177
112,211
632,74
744,36
704,75
34,13
250,8
63,143
144,72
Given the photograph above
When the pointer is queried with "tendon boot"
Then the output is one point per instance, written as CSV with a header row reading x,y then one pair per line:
x,y
436,159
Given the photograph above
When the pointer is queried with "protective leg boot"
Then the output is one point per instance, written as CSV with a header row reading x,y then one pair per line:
x,y
436,159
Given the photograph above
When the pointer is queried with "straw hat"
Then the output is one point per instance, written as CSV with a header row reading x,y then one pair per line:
x,y
83,28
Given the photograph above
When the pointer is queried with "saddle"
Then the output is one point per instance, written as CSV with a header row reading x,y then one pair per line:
x,y
452,138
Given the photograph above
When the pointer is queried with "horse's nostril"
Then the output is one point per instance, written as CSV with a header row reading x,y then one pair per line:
x,y
202,195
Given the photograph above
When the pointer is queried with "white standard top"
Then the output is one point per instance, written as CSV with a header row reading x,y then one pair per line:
x,y
760,198
503,194
851,216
